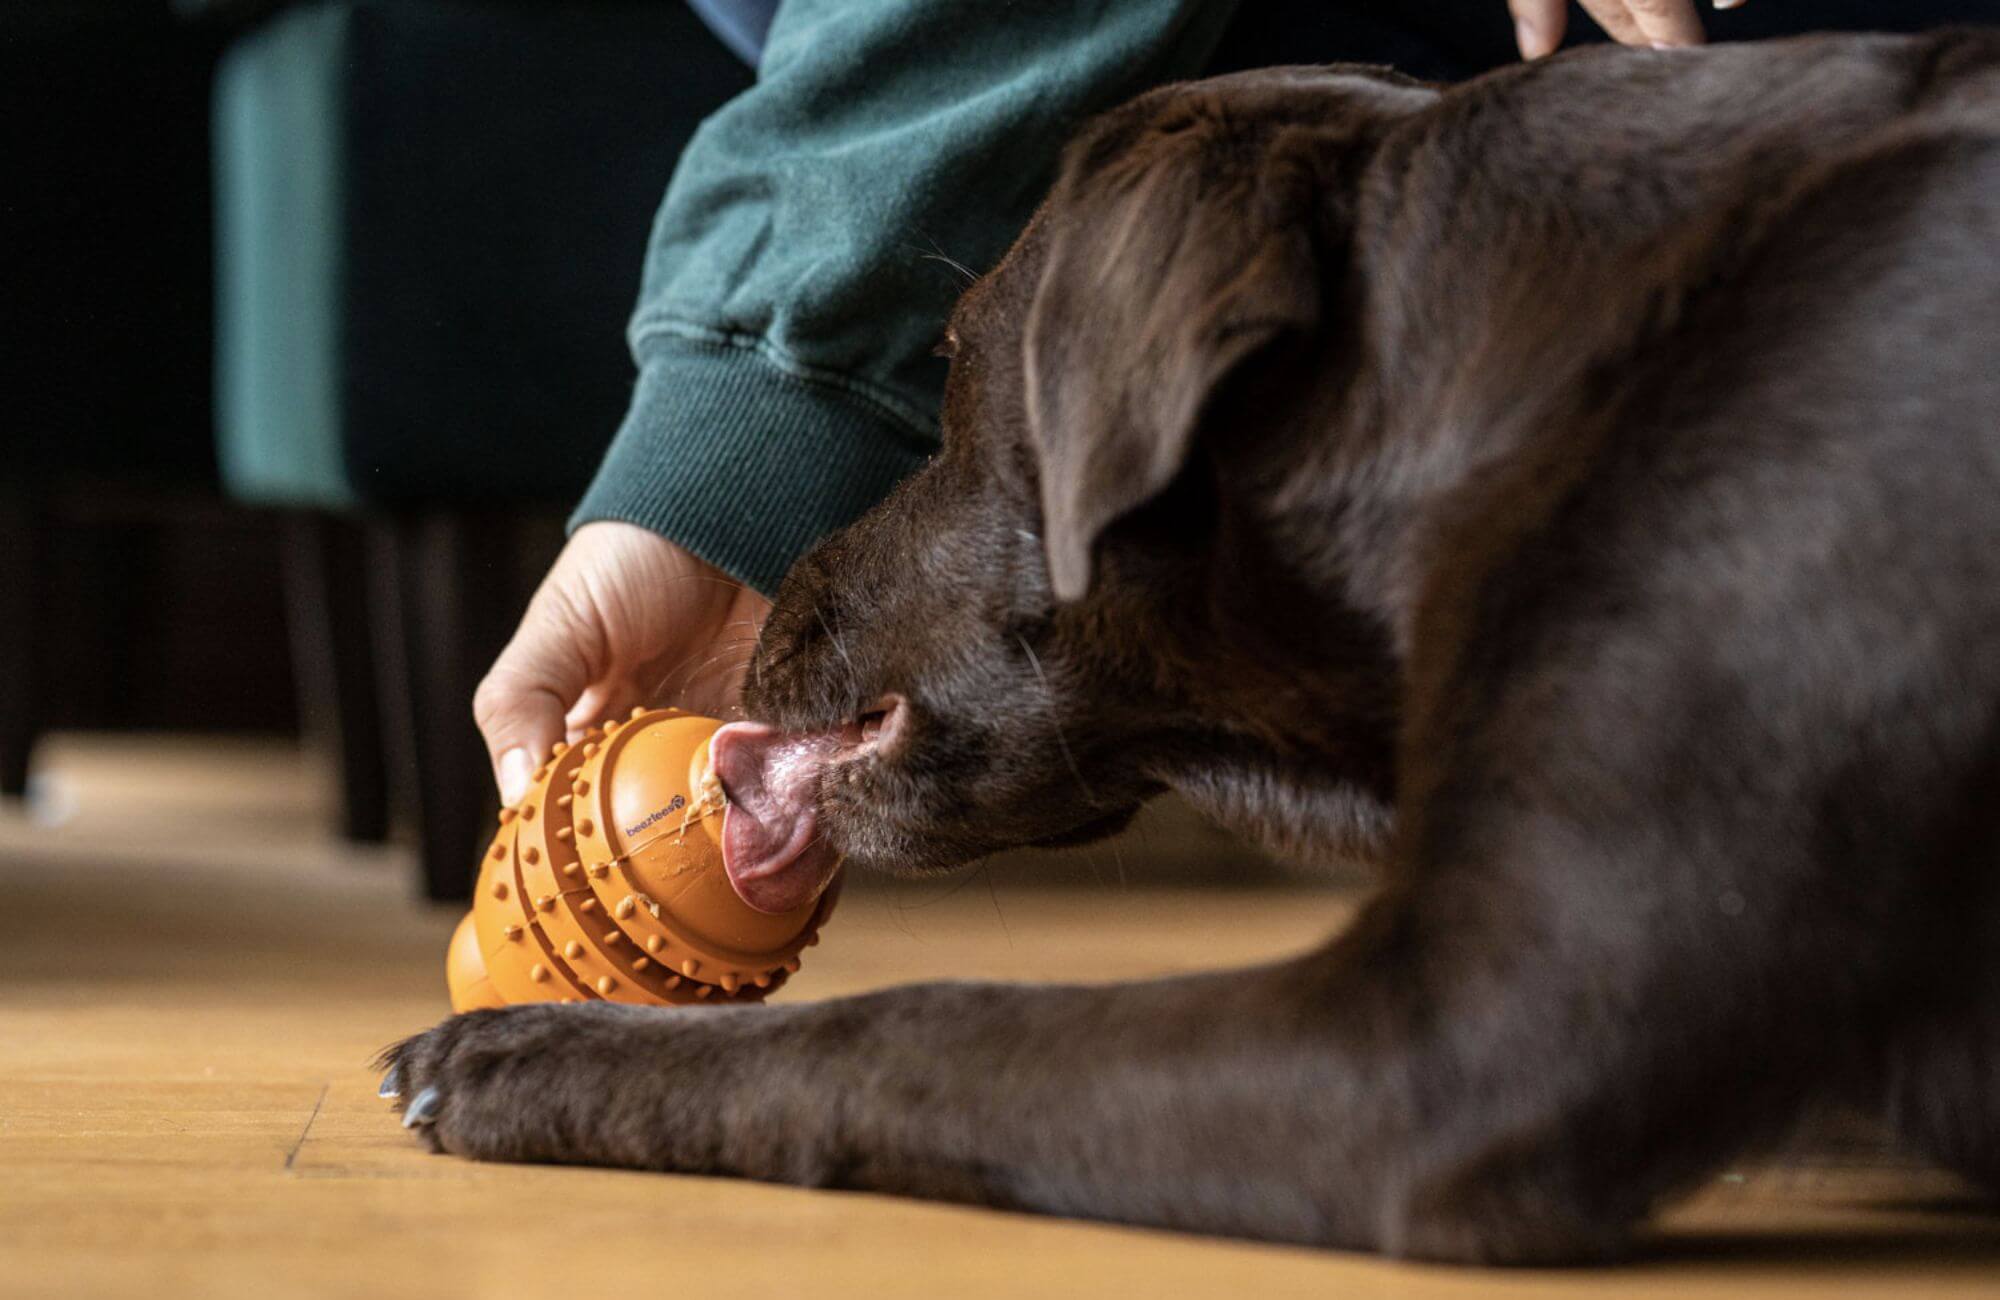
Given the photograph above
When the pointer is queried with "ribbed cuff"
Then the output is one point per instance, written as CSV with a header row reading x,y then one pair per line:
x,y
742,463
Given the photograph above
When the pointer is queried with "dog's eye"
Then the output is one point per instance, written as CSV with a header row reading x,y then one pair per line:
x,y
947,346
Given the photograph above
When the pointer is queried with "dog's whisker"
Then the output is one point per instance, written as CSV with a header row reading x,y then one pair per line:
x,y
681,675
694,674
717,578
937,254
1118,861
1055,721
735,642
958,884
986,873
853,678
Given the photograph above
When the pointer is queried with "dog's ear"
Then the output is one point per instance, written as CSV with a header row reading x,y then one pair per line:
x,y
1178,247
1165,270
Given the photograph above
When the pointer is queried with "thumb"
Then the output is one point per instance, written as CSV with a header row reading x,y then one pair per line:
x,y
520,704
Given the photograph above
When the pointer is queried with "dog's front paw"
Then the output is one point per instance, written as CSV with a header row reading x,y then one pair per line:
x,y
538,1082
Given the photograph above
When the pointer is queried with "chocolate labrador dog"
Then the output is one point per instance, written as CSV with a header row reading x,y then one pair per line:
x,y
1580,489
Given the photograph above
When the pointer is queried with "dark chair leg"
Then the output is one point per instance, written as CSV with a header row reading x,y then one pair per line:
x,y
23,529
326,600
453,607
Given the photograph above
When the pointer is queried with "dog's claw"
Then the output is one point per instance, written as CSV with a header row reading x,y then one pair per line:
x,y
392,1084
423,1109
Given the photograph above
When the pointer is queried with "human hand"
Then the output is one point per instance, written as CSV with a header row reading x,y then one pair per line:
x,y
624,617
1538,24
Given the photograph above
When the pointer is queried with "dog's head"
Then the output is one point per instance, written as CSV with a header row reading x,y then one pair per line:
x,y
1085,596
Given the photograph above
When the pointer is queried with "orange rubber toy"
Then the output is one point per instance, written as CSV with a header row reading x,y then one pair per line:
x,y
606,882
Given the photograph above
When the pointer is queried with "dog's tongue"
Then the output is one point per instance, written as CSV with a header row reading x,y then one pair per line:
x,y
771,847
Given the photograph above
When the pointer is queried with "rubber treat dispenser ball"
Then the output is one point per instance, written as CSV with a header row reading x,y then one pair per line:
x,y
606,882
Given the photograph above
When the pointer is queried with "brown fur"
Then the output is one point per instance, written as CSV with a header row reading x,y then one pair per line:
x,y
1581,486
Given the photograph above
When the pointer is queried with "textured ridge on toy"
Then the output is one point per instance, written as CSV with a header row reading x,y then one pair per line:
x,y
605,882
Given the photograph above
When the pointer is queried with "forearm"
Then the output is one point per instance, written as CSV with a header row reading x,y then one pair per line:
x,y
794,289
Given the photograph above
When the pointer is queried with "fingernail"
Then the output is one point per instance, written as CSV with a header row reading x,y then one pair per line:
x,y
517,773
1728,4
392,1084
421,1110
1529,38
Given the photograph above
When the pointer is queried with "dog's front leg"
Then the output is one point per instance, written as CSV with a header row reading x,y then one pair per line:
x,y
1344,1099
1195,1103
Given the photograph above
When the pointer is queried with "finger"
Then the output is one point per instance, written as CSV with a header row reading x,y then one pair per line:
x,y
604,700
520,704
1666,22
1615,17
1538,25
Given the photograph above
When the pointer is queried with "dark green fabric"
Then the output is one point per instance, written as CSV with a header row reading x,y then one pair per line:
x,y
792,293
778,456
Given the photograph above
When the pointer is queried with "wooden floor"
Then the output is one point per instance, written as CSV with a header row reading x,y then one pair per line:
x,y
192,980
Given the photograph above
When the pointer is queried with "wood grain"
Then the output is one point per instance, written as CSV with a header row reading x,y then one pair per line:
x,y
192,981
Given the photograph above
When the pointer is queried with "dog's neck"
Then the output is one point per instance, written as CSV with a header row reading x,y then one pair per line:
x,y
1440,413
1443,409
1453,385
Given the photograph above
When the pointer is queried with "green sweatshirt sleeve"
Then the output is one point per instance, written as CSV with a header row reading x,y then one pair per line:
x,y
793,288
